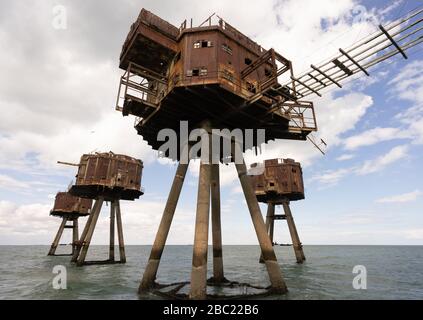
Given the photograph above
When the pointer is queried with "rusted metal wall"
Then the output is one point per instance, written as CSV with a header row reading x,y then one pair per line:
x,y
110,170
158,23
281,179
224,61
65,203
151,40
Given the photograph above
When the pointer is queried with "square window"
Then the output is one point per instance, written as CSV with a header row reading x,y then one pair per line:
x,y
195,72
227,48
203,71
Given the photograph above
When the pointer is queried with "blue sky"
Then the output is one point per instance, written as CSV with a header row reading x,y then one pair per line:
x,y
57,95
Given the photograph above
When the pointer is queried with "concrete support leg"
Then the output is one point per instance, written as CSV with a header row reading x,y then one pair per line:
x,y
120,232
270,223
199,259
275,274
90,231
84,232
112,232
296,243
271,208
56,240
150,272
75,235
218,275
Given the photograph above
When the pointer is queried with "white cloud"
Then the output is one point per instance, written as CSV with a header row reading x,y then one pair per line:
x,y
332,177
80,98
374,136
414,234
31,223
401,198
408,86
345,157
334,116
379,164
11,183
111,133
25,186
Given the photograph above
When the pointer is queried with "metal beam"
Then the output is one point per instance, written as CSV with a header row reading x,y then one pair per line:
x,y
393,41
306,86
325,75
353,61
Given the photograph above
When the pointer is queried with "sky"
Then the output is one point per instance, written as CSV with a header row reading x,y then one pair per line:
x,y
58,91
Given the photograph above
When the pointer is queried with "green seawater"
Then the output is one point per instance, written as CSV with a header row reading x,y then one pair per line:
x,y
393,272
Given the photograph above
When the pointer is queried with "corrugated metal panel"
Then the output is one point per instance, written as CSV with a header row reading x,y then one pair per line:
x,y
110,170
65,203
281,179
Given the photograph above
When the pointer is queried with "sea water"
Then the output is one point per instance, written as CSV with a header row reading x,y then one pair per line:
x,y
392,272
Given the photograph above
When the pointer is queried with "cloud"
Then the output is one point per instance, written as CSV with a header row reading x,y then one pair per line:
x,y
345,157
332,177
373,136
380,163
71,75
8,182
335,116
408,86
31,223
401,198
414,234
111,133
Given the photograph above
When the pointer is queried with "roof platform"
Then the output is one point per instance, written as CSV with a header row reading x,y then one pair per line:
x,y
108,175
95,191
222,108
151,42
71,207
277,181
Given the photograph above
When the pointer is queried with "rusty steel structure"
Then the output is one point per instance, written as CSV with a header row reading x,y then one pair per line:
x,y
112,176
214,77
69,208
280,181
106,177
211,72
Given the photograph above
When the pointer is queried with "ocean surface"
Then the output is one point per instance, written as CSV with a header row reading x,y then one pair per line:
x,y
393,272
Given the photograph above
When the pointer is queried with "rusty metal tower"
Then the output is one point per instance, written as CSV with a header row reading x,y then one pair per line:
x,y
69,208
280,182
105,177
214,77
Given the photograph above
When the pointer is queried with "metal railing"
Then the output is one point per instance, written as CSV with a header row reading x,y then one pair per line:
x,y
135,84
301,115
